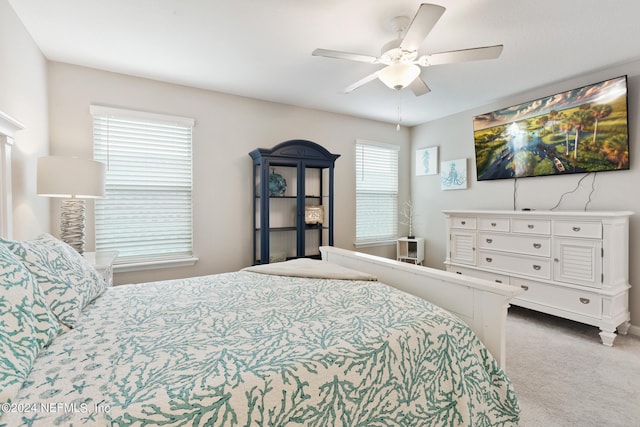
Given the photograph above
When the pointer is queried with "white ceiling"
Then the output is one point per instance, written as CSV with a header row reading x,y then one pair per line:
x,y
262,48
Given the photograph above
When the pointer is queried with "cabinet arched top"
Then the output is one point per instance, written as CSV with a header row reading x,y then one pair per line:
x,y
295,149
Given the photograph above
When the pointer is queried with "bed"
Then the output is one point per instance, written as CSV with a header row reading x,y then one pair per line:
x,y
246,348
255,347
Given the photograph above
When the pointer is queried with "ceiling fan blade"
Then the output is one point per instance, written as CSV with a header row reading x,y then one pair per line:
x,y
464,55
344,55
361,82
421,26
419,87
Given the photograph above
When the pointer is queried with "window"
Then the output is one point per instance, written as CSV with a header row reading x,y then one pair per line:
x,y
376,192
147,212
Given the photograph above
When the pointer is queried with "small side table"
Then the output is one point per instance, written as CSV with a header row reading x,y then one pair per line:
x,y
410,250
103,263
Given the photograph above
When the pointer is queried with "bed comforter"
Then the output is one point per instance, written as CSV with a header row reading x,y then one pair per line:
x,y
249,349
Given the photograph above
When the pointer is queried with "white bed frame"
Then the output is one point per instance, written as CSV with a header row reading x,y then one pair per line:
x,y
480,303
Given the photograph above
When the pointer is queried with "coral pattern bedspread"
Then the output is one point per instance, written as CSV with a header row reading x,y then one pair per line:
x,y
249,349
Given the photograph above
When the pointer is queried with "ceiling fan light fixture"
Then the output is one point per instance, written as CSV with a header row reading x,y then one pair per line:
x,y
398,76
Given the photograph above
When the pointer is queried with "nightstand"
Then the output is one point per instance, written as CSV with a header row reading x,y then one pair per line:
x,y
411,250
103,263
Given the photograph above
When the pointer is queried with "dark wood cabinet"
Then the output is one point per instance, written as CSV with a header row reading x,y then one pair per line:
x,y
292,200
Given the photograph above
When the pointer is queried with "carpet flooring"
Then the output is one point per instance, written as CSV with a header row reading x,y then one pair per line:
x,y
564,376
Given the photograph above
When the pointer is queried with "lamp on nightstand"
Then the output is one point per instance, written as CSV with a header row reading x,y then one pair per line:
x,y
74,179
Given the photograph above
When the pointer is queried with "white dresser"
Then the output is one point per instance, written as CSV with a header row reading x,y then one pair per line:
x,y
571,264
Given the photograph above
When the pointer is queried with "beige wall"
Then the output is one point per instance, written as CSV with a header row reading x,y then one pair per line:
x,y
454,136
227,129
23,96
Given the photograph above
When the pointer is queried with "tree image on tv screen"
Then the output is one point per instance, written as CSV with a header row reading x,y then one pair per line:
x,y
581,130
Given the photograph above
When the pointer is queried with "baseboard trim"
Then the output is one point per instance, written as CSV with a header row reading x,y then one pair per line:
x,y
634,330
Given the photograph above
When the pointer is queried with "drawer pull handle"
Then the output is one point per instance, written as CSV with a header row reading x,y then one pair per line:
x,y
530,226
525,287
498,281
489,240
576,229
489,259
458,272
536,267
463,222
537,245
585,300
493,224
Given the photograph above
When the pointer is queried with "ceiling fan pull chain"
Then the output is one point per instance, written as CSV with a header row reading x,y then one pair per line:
x,y
399,110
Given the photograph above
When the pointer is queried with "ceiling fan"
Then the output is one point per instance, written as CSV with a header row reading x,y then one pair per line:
x,y
400,56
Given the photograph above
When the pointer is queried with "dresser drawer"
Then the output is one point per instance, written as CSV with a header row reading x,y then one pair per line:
x,y
493,224
468,223
486,275
531,226
528,245
534,267
586,229
567,299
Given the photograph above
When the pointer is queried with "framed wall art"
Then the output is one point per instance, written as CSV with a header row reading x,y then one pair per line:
x,y
453,174
427,161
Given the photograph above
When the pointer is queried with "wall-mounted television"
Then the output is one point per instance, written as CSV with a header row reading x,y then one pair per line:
x,y
578,131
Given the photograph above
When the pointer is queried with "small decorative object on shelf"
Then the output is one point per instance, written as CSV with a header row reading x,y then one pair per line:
x,y
407,214
313,214
277,184
278,256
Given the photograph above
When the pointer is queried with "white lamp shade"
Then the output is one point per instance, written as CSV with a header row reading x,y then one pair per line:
x,y
70,177
399,75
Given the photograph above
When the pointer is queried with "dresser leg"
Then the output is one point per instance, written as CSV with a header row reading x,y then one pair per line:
x,y
607,337
624,328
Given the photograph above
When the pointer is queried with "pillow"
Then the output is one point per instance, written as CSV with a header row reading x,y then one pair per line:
x,y
27,324
66,278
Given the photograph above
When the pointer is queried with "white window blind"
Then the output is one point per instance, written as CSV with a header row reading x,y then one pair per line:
x,y
376,192
147,213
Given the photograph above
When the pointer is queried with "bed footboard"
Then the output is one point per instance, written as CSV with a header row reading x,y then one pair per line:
x,y
480,303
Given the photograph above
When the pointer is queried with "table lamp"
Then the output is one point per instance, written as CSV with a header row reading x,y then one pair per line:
x,y
74,179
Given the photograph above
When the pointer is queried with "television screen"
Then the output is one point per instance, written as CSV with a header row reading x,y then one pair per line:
x,y
578,131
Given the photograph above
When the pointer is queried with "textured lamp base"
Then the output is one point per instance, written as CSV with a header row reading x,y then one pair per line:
x,y
72,223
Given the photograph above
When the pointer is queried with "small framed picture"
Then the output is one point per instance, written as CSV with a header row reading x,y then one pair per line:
x,y
453,174
427,161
